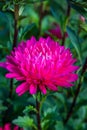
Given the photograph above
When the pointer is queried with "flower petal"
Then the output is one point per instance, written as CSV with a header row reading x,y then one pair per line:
x,y
43,89
33,89
52,87
7,126
15,75
3,64
21,89
16,127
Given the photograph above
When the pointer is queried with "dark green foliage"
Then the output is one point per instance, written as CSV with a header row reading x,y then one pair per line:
x,y
35,21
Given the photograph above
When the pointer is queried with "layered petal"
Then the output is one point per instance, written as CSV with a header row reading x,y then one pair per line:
x,y
22,88
43,89
3,64
41,64
8,126
32,89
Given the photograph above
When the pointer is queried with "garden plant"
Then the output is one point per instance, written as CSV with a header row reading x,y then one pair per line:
x,y
43,64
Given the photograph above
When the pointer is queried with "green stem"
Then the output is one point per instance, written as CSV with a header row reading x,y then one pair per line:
x,y
77,93
38,114
40,16
16,10
67,17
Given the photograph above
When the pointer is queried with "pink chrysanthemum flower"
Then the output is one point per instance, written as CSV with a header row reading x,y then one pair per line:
x,y
56,31
42,64
7,126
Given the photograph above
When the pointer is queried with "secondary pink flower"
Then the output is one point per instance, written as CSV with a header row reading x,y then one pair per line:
x,y
41,65
7,126
82,19
56,31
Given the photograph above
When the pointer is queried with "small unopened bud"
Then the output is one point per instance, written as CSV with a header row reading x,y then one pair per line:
x,y
82,19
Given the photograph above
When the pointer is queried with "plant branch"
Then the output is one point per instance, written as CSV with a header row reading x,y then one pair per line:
x,y
16,10
40,16
38,114
67,17
77,93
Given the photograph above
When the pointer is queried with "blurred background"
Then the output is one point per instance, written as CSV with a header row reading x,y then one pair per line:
x,y
64,21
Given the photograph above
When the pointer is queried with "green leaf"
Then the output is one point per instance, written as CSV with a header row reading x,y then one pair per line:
x,y
81,7
24,121
56,8
29,109
21,9
75,42
51,114
29,31
59,97
59,126
4,27
84,26
2,108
